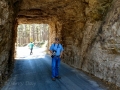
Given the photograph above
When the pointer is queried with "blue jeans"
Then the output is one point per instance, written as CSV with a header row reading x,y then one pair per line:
x,y
55,66
31,51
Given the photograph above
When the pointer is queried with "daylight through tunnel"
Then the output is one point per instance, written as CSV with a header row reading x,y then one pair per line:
x,y
89,31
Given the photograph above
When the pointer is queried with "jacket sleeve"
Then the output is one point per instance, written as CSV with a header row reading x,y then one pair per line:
x,y
51,47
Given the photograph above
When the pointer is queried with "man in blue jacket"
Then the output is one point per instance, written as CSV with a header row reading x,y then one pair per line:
x,y
56,50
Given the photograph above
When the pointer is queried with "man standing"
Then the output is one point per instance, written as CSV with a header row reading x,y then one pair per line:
x,y
56,50
31,47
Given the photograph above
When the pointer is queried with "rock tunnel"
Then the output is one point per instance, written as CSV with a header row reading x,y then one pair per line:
x,y
89,31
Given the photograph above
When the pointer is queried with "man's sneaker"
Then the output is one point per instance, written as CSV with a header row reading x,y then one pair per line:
x,y
58,77
53,79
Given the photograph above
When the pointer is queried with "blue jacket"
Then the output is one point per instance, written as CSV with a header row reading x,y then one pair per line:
x,y
31,45
57,47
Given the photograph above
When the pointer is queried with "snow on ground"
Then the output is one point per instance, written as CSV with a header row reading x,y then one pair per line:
x,y
24,53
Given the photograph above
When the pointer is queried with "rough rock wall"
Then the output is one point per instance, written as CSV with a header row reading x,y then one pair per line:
x,y
6,39
91,40
93,44
81,27
72,32
103,56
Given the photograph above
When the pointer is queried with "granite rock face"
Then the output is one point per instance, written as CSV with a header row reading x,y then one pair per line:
x,y
103,59
89,31
4,37
7,38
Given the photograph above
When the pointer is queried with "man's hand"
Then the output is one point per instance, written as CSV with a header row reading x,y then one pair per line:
x,y
61,55
51,52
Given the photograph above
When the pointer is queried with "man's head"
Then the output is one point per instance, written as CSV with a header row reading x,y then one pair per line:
x,y
56,40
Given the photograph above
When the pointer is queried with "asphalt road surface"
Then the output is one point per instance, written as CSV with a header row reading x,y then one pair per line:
x,y
34,73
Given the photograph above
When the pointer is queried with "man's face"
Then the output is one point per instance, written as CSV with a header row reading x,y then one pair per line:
x,y
56,41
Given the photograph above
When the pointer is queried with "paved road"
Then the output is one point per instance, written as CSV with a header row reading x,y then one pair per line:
x,y
35,74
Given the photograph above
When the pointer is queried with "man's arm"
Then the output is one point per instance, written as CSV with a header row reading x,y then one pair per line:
x,y
51,50
61,54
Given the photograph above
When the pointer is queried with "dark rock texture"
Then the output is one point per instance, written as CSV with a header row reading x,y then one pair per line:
x,y
7,38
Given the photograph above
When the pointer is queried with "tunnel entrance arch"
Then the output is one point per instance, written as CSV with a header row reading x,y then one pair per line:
x,y
54,29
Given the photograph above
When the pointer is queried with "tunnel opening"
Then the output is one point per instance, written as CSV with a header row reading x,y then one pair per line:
x,y
35,33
